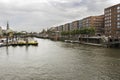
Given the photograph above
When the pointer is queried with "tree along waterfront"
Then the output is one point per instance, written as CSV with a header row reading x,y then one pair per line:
x,y
87,31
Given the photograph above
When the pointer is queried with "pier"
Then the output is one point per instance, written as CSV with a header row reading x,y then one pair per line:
x,y
113,43
97,41
18,42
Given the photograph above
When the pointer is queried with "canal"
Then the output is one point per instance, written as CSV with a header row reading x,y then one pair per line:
x,y
59,61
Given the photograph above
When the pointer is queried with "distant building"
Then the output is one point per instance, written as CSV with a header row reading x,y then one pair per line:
x,y
70,26
56,28
80,24
66,27
9,31
112,21
60,28
1,32
107,24
75,25
53,33
96,22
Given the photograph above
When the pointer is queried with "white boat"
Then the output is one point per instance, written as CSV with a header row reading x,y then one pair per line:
x,y
1,44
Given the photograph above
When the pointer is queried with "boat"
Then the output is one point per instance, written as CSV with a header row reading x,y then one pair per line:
x,y
21,42
31,41
2,44
68,41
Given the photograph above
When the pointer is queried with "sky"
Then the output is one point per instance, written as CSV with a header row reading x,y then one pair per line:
x,y
35,15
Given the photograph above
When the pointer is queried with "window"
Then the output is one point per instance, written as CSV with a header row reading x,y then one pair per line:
x,y
118,15
118,18
118,7
118,23
118,26
110,10
118,32
110,24
118,10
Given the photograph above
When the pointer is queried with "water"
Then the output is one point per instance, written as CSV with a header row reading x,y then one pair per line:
x,y
59,61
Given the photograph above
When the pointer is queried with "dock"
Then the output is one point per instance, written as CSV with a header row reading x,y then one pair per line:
x,y
97,41
20,42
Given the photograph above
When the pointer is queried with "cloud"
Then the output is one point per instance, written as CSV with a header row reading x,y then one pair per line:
x,y
34,15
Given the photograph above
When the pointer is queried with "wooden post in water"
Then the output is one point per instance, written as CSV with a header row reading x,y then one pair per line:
x,y
7,34
7,40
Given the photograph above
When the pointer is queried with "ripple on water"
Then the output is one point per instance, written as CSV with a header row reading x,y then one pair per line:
x,y
59,61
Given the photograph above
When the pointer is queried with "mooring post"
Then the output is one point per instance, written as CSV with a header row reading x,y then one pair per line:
x,y
7,40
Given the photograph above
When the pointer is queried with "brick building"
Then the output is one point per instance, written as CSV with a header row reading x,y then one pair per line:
x,y
112,21
75,25
66,27
60,28
94,21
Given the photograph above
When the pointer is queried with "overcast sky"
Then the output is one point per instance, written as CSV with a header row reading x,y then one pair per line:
x,y
34,15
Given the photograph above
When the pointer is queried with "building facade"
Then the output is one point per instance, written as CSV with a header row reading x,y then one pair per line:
x,y
75,25
96,22
70,26
1,32
60,28
66,27
80,24
56,28
112,21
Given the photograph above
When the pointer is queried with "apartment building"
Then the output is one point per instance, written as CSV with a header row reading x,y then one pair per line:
x,y
112,21
60,28
70,24
94,21
75,25
80,24
55,28
66,27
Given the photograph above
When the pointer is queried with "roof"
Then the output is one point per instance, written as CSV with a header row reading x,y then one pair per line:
x,y
112,6
9,30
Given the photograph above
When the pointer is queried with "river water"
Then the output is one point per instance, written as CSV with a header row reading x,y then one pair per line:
x,y
59,61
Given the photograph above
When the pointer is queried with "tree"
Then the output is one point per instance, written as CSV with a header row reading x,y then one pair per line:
x,y
87,31
92,30
65,33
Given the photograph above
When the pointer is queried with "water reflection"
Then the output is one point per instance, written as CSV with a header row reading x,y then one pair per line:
x,y
27,49
7,51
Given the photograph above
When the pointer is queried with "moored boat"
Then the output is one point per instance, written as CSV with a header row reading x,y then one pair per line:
x,y
31,41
